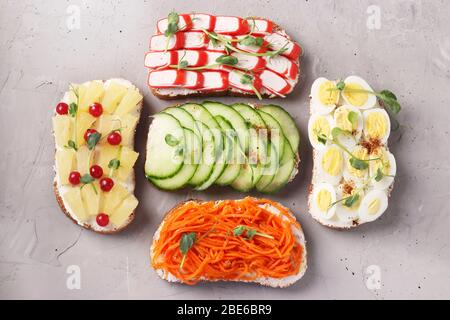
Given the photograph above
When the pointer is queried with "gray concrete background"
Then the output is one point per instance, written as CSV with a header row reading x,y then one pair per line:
x,y
409,54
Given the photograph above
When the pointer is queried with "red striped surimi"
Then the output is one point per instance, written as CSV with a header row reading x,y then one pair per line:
x,y
173,78
184,23
203,21
234,80
251,63
275,83
194,58
195,40
260,26
282,66
277,41
230,25
214,81
159,42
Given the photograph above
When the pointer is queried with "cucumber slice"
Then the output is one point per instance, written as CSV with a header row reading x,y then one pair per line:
x,y
192,152
185,118
231,145
275,131
244,182
282,177
287,123
164,147
236,120
207,163
257,153
270,169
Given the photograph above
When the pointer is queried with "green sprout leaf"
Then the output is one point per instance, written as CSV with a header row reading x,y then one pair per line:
x,y
183,64
186,242
358,164
379,176
340,85
72,145
227,60
73,109
171,140
252,41
239,230
114,164
86,179
336,132
350,201
353,118
93,139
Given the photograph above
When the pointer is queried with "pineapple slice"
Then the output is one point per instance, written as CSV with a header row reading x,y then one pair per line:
x,y
127,159
94,93
113,95
62,128
105,154
84,122
72,199
83,160
64,164
113,198
129,102
91,198
107,123
123,211
128,123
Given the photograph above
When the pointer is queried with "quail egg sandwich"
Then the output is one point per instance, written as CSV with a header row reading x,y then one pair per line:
x,y
353,169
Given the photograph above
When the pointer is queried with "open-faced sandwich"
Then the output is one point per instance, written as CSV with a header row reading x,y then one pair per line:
x,y
201,54
248,240
353,171
94,127
241,145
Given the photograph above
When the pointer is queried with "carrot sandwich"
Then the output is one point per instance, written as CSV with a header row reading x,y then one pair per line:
x,y
247,240
201,54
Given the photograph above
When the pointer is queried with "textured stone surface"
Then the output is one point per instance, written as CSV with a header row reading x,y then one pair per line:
x,y
40,55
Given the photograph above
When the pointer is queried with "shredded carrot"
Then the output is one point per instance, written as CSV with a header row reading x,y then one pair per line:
x,y
219,254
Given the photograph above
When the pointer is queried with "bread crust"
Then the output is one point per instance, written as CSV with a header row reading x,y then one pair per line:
x,y
230,92
268,282
88,226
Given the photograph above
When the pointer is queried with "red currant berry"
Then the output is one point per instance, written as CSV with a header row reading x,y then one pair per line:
x,y
74,177
96,109
114,138
96,171
102,219
106,184
62,108
88,133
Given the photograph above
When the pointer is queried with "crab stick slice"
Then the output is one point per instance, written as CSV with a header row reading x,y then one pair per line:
x,y
277,41
275,83
158,59
231,25
214,81
219,46
251,63
203,21
184,23
260,26
173,78
195,40
159,42
234,80
254,49
282,66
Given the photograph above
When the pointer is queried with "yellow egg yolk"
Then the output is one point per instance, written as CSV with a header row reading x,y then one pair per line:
x,y
375,125
374,206
357,99
327,96
323,200
383,163
332,162
359,153
321,126
341,117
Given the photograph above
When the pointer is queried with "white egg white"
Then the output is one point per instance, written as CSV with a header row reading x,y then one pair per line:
x,y
316,105
331,211
312,135
349,140
373,195
371,99
388,179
